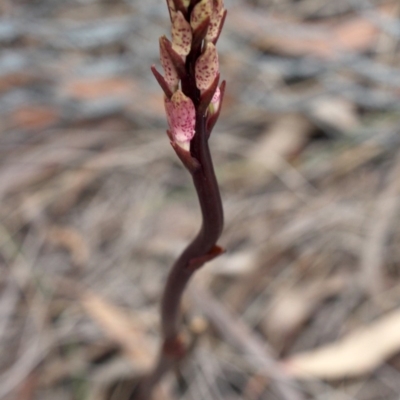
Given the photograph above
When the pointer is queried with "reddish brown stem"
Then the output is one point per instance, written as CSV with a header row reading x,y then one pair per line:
x,y
211,208
202,248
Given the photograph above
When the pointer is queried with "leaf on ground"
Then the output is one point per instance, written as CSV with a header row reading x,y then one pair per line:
x,y
72,241
285,138
294,306
95,88
35,117
120,327
234,264
357,353
356,34
335,113
280,143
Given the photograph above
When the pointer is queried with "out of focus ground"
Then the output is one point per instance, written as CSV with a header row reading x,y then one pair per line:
x,y
94,205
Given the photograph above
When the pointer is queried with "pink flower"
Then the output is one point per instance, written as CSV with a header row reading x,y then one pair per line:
x,y
181,116
215,102
181,35
170,73
217,16
201,11
207,67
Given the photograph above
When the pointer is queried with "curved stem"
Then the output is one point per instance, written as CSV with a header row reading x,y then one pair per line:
x,y
212,223
212,214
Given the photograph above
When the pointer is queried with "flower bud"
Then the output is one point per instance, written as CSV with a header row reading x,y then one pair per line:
x,y
206,68
181,35
170,73
200,13
181,116
215,102
216,19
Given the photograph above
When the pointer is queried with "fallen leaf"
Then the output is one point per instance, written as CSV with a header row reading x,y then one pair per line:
x,y
16,79
357,353
294,306
285,138
35,117
356,34
280,143
304,39
121,328
234,264
95,88
71,240
335,113
354,157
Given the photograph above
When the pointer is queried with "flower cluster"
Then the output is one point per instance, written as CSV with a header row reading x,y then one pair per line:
x,y
190,60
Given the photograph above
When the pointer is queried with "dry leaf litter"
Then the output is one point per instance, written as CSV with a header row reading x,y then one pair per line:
x,y
94,206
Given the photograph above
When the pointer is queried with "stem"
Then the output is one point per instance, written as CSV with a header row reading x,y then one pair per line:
x,y
204,246
212,223
211,208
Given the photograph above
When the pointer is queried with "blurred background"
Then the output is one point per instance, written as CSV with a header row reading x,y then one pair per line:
x,y
95,206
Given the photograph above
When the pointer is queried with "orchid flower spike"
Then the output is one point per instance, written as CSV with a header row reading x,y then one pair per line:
x,y
190,64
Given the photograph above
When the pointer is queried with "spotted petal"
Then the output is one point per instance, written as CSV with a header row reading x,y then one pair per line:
x,y
200,13
215,101
216,19
170,73
181,116
207,67
181,35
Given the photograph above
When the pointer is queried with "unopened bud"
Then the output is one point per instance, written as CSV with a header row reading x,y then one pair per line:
x,y
215,102
181,116
207,67
170,73
200,13
216,18
181,35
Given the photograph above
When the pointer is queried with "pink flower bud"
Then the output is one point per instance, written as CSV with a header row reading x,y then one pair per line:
x,y
216,18
181,116
206,68
170,73
215,102
201,11
181,35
